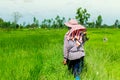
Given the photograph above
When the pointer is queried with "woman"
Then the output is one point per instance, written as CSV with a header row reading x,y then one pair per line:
x,y
73,47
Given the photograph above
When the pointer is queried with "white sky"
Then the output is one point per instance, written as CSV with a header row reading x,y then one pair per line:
x,y
41,9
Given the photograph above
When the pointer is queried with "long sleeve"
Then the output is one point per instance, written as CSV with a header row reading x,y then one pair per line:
x,y
65,48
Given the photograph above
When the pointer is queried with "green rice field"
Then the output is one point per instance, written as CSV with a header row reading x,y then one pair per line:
x,y
38,55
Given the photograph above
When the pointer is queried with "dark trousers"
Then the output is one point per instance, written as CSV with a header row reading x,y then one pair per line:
x,y
75,66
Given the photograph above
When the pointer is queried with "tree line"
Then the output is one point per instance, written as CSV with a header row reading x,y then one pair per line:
x,y
82,16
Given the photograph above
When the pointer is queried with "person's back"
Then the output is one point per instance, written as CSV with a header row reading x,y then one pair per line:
x,y
73,47
74,50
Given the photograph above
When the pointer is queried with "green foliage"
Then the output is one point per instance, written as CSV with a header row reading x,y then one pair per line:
x,y
46,23
117,24
35,22
58,22
38,55
1,20
82,16
91,25
99,21
34,73
9,25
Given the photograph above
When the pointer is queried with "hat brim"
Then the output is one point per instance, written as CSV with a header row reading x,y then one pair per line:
x,y
68,25
77,27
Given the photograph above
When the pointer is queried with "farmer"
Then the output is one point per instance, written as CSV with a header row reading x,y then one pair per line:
x,y
73,47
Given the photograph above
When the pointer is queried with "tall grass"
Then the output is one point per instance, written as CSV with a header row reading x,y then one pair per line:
x,y
38,54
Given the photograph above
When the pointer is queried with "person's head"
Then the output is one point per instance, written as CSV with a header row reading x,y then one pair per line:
x,y
74,29
70,24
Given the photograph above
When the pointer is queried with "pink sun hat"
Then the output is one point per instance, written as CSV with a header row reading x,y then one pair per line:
x,y
73,24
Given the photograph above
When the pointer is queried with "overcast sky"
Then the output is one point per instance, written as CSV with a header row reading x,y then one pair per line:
x,y
41,9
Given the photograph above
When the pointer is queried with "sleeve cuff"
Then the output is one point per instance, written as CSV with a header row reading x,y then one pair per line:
x,y
65,58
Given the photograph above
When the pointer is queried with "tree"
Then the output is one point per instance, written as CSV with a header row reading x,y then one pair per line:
x,y
1,22
59,22
82,16
91,24
35,22
117,23
16,17
44,24
4,24
99,21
